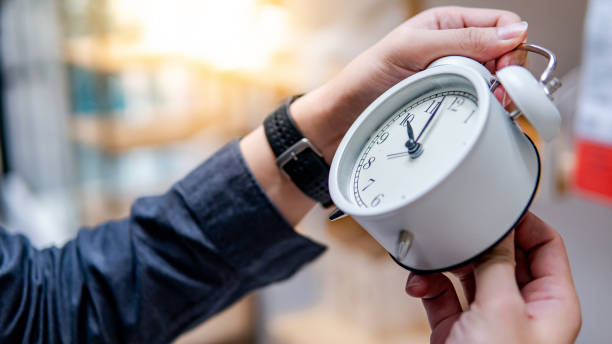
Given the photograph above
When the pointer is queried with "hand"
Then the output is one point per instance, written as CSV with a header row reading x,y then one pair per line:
x,y
519,292
325,114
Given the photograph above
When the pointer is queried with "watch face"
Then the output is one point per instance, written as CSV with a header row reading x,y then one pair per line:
x,y
415,147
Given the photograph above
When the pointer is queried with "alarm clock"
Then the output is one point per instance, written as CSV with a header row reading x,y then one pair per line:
x,y
436,170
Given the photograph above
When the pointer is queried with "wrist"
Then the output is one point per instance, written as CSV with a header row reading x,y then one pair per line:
x,y
319,116
296,156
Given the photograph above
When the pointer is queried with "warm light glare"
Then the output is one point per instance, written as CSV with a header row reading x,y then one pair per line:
x,y
229,34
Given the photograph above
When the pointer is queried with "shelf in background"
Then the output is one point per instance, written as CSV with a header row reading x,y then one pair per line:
x,y
116,135
111,54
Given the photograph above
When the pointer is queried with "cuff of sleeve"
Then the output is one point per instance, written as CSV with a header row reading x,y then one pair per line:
x,y
239,219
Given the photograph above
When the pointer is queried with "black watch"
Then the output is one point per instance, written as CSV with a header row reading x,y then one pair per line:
x,y
296,156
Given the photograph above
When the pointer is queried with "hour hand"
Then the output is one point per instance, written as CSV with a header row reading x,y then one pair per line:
x,y
415,149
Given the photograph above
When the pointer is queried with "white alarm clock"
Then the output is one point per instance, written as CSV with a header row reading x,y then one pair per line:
x,y
436,170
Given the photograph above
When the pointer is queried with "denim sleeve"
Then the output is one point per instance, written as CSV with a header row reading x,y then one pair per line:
x,y
178,259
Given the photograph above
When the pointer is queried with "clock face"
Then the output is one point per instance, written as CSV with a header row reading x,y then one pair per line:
x,y
442,123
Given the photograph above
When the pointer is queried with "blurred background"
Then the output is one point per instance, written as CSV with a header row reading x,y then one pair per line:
x,y
103,101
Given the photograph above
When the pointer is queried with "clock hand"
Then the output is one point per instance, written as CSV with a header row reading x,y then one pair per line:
x,y
415,149
430,118
397,155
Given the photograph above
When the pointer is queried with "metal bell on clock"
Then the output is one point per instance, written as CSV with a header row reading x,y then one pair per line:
x,y
532,97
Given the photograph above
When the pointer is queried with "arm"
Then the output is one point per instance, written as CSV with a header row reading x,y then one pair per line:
x,y
176,260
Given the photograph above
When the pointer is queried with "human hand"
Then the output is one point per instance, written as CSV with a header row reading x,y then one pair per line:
x,y
325,114
519,292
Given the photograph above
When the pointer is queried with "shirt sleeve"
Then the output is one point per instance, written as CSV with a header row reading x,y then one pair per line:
x,y
178,259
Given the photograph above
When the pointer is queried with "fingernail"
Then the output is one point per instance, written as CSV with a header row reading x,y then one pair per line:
x,y
512,31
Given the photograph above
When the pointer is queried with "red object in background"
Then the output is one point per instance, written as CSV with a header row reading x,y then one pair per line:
x,y
593,173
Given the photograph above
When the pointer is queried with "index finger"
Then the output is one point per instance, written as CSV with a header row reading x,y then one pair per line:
x,y
454,17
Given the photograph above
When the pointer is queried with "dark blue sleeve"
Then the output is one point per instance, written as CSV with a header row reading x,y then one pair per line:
x,y
178,259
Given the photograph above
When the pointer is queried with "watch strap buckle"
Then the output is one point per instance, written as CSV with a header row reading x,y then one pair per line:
x,y
292,153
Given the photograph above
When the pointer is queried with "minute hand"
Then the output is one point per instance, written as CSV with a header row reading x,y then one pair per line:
x,y
430,118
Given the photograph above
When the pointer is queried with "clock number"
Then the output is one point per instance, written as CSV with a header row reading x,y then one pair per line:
x,y
456,104
376,201
470,116
368,164
409,118
370,182
433,107
382,138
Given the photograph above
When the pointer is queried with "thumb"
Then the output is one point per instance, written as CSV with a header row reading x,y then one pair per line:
x,y
495,272
481,44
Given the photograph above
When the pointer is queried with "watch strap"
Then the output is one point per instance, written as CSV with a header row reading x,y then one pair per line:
x,y
296,156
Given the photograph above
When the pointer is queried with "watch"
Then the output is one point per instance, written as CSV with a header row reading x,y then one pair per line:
x,y
295,155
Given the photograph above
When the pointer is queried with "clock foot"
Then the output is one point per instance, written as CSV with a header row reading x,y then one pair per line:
x,y
337,215
404,241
